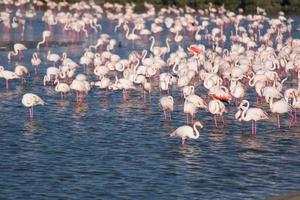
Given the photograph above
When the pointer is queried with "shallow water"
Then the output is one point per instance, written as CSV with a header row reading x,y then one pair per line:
x,y
106,148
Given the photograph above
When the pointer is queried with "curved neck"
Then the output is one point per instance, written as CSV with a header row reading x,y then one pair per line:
x,y
245,109
152,44
196,131
175,70
176,36
198,30
132,32
145,54
168,45
127,33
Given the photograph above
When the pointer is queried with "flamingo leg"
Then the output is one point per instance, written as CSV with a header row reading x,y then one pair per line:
x,y
144,96
292,119
170,116
6,85
254,127
29,113
183,142
187,118
216,123
278,121
165,115
222,118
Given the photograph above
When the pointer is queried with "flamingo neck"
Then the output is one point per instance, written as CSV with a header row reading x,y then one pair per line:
x,y
152,44
196,131
168,45
127,33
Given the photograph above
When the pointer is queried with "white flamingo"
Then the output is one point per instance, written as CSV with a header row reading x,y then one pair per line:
x,y
185,132
29,100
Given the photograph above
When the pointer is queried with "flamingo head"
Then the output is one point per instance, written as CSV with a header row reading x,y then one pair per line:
x,y
226,98
56,81
197,123
173,134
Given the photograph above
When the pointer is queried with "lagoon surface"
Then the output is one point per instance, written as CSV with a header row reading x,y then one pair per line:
x,y
105,148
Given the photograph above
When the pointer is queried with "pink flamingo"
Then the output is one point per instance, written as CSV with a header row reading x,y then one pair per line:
x,y
29,100
167,104
185,132
17,48
7,75
250,114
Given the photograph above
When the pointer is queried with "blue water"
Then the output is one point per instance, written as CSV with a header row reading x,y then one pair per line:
x,y
105,148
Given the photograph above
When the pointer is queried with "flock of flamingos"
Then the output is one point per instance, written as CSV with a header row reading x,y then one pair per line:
x,y
261,57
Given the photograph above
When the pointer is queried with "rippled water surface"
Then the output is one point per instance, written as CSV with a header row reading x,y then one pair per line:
x,y
106,148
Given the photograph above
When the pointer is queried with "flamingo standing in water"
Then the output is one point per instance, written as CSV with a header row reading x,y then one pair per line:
x,y
167,104
21,70
7,75
35,61
280,107
46,35
53,57
250,114
217,107
29,100
63,88
17,49
185,132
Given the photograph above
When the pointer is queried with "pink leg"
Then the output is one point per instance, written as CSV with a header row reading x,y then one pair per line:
x,y
183,142
165,115
216,123
187,118
6,86
278,121
29,113
292,119
222,118
252,127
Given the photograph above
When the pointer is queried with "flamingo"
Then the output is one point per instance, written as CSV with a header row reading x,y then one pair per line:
x,y
185,132
18,47
50,74
7,75
46,34
80,85
167,104
189,108
29,100
216,107
21,70
35,61
197,101
250,114
63,88
280,107
52,57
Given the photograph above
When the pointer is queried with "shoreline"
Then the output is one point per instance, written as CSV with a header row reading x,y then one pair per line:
x,y
287,196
